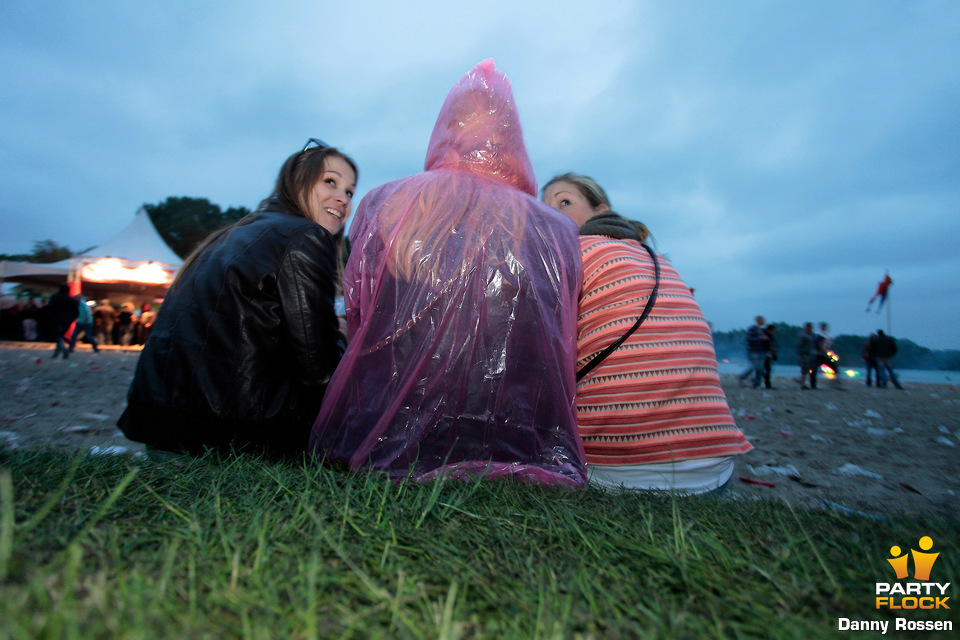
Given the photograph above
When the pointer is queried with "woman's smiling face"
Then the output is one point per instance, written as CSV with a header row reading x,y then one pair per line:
x,y
332,195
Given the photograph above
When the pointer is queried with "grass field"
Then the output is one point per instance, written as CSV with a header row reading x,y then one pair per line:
x,y
109,547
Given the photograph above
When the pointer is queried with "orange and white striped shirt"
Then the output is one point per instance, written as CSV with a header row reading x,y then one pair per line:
x,y
657,398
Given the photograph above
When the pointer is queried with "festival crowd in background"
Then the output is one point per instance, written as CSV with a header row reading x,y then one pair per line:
x,y
101,323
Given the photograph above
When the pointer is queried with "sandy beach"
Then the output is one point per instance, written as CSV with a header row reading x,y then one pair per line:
x,y
876,451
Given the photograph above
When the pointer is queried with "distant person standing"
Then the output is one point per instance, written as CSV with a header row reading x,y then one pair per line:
x,y
884,348
807,356
771,355
84,324
29,314
62,310
104,316
126,324
869,358
10,321
756,352
147,317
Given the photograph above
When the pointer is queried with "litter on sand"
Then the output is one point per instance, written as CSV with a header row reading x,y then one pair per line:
x,y
803,482
763,483
851,470
10,439
849,511
115,450
767,470
910,488
79,428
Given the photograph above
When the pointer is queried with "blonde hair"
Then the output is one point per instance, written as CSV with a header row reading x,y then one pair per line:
x,y
417,229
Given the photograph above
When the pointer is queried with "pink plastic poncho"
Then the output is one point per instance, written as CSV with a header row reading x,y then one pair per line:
x,y
461,294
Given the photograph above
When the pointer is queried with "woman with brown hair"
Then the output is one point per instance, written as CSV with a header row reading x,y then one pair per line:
x,y
247,337
651,412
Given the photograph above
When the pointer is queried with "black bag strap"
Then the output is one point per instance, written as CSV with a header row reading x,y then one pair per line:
x,y
587,368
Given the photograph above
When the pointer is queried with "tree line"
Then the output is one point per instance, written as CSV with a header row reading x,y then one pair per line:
x,y
910,355
44,252
184,222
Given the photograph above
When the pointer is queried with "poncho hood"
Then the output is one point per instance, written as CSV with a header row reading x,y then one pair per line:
x,y
478,131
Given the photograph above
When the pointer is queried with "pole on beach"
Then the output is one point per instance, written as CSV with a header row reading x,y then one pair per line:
x,y
889,317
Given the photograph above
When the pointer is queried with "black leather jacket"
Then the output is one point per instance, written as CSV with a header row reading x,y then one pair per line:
x,y
244,343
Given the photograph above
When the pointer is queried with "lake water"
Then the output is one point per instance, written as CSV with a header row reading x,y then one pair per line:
x,y
904,375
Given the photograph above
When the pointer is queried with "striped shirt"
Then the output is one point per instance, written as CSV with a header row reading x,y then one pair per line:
x,y
657,398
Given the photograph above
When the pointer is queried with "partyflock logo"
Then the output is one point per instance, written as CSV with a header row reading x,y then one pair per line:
x,y
921,594
907,594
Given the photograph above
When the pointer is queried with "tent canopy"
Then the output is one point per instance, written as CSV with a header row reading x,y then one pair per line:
x,y
137,258
139,242
15,271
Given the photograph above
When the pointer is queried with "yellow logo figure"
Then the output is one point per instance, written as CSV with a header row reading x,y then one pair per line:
x,y
923,562
899,564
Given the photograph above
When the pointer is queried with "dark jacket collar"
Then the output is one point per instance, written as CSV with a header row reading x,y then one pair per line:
x,y
610,224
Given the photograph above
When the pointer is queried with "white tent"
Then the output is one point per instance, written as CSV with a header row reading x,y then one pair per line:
x,y
135,260
139,242
28,271
136,255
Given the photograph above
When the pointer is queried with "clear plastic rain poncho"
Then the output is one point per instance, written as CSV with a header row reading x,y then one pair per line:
x,y
461,296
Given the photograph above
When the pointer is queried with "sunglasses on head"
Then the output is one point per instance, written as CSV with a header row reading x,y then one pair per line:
x,y
312,143
319,144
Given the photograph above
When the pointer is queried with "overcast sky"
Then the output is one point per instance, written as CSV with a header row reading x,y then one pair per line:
x,y
784,154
